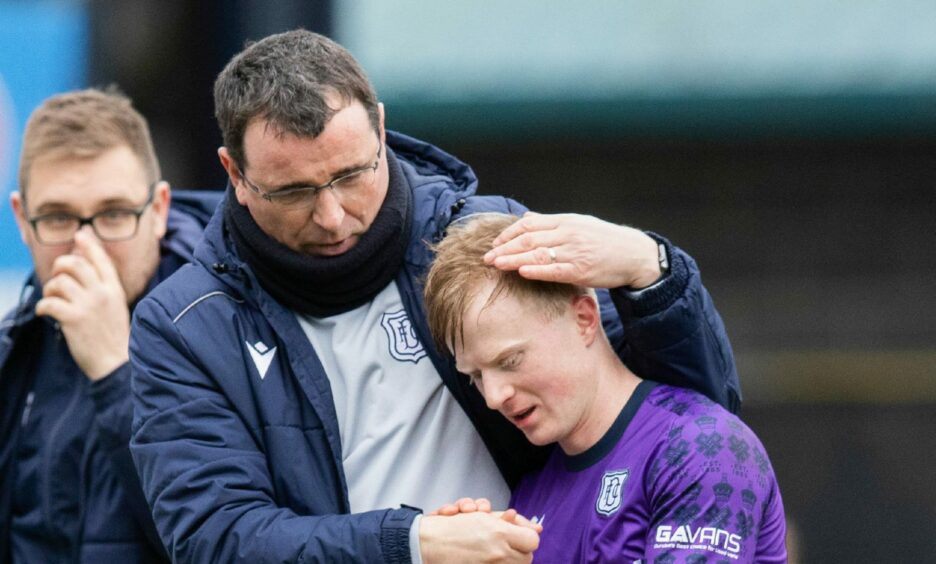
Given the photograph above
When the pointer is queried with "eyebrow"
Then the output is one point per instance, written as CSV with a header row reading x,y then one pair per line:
x,y
303,184
270,189
512,349
59,207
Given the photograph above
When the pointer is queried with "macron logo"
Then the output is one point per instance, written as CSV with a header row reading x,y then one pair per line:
x,y
262,356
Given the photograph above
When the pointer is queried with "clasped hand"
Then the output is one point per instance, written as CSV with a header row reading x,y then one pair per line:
x,y
468,531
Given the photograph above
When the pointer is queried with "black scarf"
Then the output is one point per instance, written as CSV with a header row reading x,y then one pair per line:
x,y
324,286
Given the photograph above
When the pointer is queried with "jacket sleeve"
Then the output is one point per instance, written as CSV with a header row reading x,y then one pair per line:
x,y
672,333
206,477
113,415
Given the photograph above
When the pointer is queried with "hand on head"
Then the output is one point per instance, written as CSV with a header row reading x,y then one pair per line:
x,y
577,249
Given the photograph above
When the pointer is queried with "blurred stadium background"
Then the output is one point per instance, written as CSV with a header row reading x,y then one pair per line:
x,y
789,146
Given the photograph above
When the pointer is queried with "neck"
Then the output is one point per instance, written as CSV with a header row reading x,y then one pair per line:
x,y
614,386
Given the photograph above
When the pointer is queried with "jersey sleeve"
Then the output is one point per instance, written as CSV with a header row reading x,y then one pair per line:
x,y
713,494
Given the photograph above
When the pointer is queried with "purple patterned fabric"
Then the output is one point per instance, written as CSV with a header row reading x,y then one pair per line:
x,y
676,479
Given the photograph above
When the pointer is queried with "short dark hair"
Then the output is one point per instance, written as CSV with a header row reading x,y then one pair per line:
x,y
85,124
286,79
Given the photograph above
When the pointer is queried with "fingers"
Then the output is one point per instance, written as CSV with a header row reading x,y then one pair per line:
x,y
507,515
530,232
524,522
86,276
77,268
522,539
537,255
446,510
564,272
531,221
63,286
511,516
88,263
90,248
530,247
576,249
58,297
54,307
464,505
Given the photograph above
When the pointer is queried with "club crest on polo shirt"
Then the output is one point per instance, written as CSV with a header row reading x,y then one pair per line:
x,y
404,344
612,491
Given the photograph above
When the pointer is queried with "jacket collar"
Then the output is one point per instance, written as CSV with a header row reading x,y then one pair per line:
x,y
25,310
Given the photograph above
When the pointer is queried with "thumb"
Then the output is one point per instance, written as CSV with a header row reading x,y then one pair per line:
x,y
522,539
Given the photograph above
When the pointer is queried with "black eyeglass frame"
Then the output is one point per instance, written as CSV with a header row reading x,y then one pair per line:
x,y
282,194
89,220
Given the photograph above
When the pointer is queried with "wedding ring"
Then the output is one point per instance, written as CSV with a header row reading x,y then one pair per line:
x,y
552,254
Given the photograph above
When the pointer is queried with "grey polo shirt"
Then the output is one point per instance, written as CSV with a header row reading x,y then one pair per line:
x,y
405,440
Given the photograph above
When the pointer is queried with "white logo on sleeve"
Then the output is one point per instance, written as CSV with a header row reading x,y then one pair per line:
x,y
262,356
712,539
611,494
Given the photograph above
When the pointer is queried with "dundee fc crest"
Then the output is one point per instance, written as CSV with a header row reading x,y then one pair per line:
x,y
611,494
404,345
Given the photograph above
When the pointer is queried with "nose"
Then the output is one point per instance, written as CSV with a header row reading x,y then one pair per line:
x,y
496,391
328,212
88,230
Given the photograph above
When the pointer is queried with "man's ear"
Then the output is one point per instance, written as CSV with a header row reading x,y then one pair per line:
x,y
19,212
234,174
587,317
161,200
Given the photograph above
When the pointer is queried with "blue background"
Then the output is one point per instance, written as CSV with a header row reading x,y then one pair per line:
x,y
43,50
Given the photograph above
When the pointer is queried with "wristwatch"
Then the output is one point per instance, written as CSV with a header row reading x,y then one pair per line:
x,y
663,257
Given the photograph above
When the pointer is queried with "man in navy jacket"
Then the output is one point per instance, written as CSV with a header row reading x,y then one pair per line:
x,y
289,405
95,215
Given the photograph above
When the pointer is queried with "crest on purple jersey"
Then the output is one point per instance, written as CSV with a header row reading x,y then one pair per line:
x,y
609,498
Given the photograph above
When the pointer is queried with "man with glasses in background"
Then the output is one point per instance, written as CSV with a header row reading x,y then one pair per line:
x,y
289,405
94,212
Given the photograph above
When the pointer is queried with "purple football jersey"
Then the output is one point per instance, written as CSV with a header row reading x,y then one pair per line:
x,y
676,479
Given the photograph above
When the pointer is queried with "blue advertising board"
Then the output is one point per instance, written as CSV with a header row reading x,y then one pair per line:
x,y
43,50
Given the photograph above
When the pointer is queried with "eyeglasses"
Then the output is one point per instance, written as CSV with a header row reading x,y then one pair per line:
x,y
116,224
304,196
